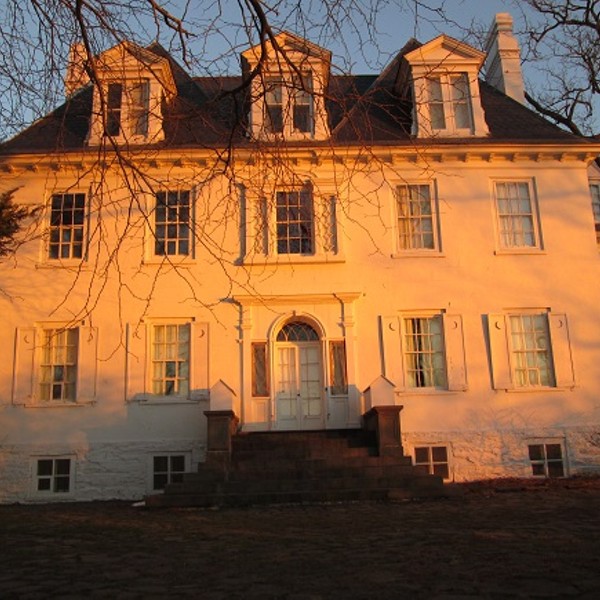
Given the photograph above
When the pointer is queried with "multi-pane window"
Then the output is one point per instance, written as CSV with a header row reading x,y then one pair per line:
x,y
449,102
516,215
530,350
432,460
58,376
172,217
295,222
416,225
595,191
139,107
114,99
424,355
274,105
303,105
67,224
546,460
167,469
260,369
288,105
171,360
53,475
337,367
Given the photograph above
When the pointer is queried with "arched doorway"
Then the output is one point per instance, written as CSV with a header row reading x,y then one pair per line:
x,y
298,377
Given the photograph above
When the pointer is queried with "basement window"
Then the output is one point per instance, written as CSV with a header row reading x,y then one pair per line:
x,y
432,460
168,469
546,460
53,475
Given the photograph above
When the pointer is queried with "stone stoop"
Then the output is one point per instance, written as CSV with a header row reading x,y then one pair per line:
x,y
301,467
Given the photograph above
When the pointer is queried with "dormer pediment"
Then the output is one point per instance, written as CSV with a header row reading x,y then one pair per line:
x,y
444,52
445,88
287,91
132,84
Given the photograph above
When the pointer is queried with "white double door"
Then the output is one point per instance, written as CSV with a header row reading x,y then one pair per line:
x,y
299,386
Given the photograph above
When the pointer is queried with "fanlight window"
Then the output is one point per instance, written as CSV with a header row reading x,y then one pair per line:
x,y
297,332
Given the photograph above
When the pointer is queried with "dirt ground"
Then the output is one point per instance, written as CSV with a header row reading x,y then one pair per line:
x,y
505,539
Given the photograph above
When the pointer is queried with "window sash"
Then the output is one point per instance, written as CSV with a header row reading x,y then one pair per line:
x,y
140,107
167,469
172,223
171,360
530,351
449,101
416,227
338,368
546,460
274,105
303,104
424,352
516,217
67,226
294,222
260,370
54,475
114,103
58,365
595,192
432,460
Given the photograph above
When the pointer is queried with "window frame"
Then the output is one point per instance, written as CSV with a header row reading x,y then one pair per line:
x,y
400,250
154,240
290,89
526,350
537,246
61,228
121,120
50,336
447,103
431,462
53,477
172,476
545,461
595,195
422,352
260,227
153,362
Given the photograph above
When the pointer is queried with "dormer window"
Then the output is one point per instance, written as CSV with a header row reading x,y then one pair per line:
x,y
445,89
127,108
450,102
134,85
288,107
288,100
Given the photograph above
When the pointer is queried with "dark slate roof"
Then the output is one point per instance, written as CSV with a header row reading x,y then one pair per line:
x,y
212,112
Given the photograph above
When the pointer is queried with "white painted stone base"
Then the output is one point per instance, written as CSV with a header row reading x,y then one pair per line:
x,y
109,471
475,455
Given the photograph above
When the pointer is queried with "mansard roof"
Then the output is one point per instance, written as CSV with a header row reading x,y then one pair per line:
x,y
211,112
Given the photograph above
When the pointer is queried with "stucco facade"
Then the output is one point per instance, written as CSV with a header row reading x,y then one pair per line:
x,y
481,321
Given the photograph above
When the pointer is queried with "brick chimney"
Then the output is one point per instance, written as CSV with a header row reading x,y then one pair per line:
x,y
503,63
76,76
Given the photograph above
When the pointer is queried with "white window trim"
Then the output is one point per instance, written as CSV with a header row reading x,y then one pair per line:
x,y
28,361
544,441
50,494
256,244
449,114
436,251
502,361
430,445
538,247
454,353
138,365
